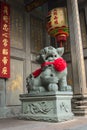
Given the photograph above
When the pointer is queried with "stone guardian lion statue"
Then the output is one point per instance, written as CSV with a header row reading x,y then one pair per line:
x,y
52,75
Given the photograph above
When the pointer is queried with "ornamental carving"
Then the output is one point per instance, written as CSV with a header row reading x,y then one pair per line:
x,y
64,107
35,108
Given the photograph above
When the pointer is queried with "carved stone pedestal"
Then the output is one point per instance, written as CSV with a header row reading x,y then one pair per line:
x,y
49,106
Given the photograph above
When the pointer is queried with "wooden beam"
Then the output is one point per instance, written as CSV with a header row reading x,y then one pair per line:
x,y
34,4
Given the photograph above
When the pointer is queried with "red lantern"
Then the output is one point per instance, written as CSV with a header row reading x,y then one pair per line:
x,y
57,24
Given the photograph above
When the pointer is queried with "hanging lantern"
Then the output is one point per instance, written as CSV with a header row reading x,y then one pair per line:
x,y
57,24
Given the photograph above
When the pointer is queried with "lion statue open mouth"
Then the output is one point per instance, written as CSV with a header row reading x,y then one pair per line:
x,y
52,75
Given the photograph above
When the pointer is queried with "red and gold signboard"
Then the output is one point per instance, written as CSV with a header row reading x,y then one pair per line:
x,y
4,40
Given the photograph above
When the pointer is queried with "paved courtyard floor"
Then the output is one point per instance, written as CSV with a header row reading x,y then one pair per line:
x,y
78,123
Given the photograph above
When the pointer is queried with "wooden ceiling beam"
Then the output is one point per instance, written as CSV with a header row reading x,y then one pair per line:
x,y
34,4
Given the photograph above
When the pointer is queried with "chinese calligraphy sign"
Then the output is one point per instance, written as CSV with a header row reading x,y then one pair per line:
x,y
4,40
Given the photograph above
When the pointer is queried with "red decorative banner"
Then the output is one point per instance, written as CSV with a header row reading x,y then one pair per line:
x,y
4,40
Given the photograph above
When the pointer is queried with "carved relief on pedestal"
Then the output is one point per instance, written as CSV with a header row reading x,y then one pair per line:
x,y
64,107
38,108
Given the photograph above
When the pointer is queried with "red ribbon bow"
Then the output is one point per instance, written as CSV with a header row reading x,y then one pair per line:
x,y
59,65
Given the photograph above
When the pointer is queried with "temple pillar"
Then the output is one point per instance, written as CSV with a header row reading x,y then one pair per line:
x,y
79,102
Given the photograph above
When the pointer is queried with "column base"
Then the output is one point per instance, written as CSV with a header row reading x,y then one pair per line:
x,y
50,106
79,105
